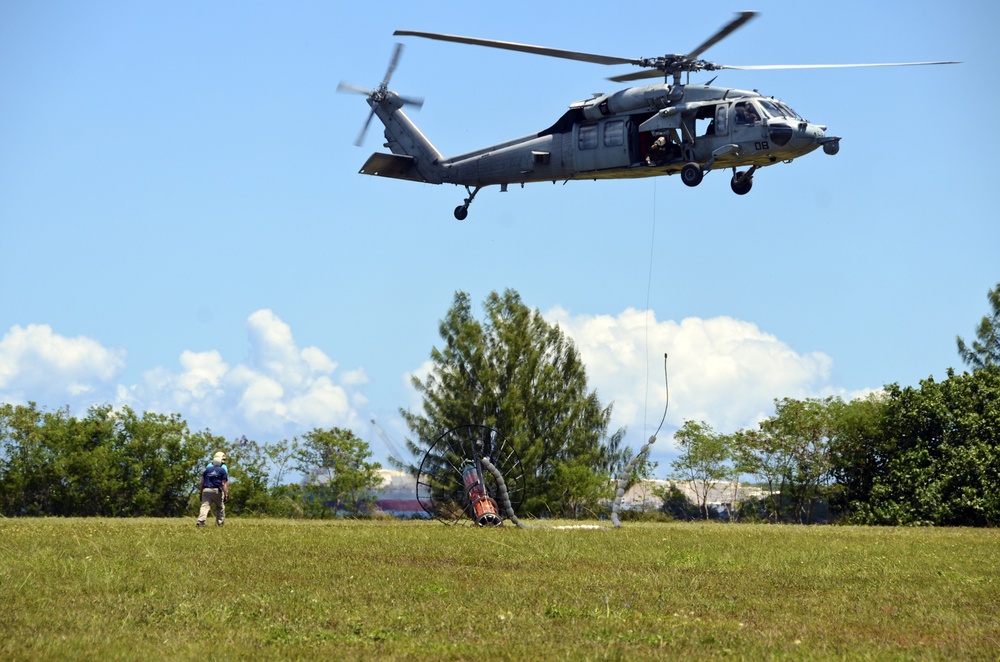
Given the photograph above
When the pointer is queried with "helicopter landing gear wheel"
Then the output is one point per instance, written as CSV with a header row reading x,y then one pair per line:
x,y
741,183
692,174
455,487
462,211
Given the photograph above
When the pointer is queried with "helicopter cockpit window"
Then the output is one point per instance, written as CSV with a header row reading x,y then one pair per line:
x,y
791,113
588,136
778,110
614,133
745,114
772,109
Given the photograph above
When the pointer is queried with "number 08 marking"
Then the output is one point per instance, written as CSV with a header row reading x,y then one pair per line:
x,y
760,146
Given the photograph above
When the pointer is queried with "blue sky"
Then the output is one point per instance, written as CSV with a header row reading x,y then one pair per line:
x,y
184,229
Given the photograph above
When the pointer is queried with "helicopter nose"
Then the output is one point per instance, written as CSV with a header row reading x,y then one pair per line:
x,y
812,131
814,135
809,136
795,135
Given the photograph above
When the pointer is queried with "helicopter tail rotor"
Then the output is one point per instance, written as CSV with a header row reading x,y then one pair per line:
x,y
381,93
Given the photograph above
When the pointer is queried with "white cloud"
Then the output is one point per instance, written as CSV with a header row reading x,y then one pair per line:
x,y
38,364
354,377
317,361
724,371
281,389
416,402
203,374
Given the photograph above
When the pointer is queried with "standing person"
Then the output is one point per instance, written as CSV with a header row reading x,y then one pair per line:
x,y
214,489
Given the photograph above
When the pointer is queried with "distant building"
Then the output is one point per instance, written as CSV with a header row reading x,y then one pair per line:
x,y
398,495
722,495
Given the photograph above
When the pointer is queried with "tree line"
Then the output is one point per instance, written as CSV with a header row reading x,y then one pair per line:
x,y
905,455
925,455
118,463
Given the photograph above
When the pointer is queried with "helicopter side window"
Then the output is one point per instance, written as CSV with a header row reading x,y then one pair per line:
x,y
746,114
588,136
614,133
721,117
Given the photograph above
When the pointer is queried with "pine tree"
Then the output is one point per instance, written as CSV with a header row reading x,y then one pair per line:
x,y
522,376
986,350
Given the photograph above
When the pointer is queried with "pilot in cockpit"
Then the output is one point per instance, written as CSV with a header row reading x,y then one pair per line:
x,y
746,114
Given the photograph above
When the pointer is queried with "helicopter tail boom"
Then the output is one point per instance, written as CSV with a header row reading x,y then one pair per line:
x,y
413,156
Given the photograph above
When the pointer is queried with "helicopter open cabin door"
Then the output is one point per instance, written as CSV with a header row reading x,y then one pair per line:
x,y
712,128
601,145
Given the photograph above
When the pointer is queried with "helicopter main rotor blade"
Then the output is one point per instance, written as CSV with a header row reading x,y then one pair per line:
x,y
523,48
641,75
767,67
654,67
741,19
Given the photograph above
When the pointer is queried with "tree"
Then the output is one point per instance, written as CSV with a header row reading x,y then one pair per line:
x,y
248,478
339,473
861,451
804,429
111,463
518,374
703,458
160,460
790,453
28,473
986,350
769,458
942,454
676,504
579,491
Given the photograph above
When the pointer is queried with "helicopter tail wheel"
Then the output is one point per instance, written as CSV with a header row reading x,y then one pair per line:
x,y
462,211
741,183
692,174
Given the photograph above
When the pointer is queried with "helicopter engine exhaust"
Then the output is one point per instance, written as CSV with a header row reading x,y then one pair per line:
x,y
651,97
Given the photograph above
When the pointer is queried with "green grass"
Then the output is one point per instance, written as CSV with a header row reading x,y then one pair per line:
x,y
269,589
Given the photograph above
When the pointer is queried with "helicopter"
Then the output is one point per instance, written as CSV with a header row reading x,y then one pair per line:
x,y
668,128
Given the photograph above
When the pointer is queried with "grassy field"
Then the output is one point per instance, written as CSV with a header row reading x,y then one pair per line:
x,y
269,589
